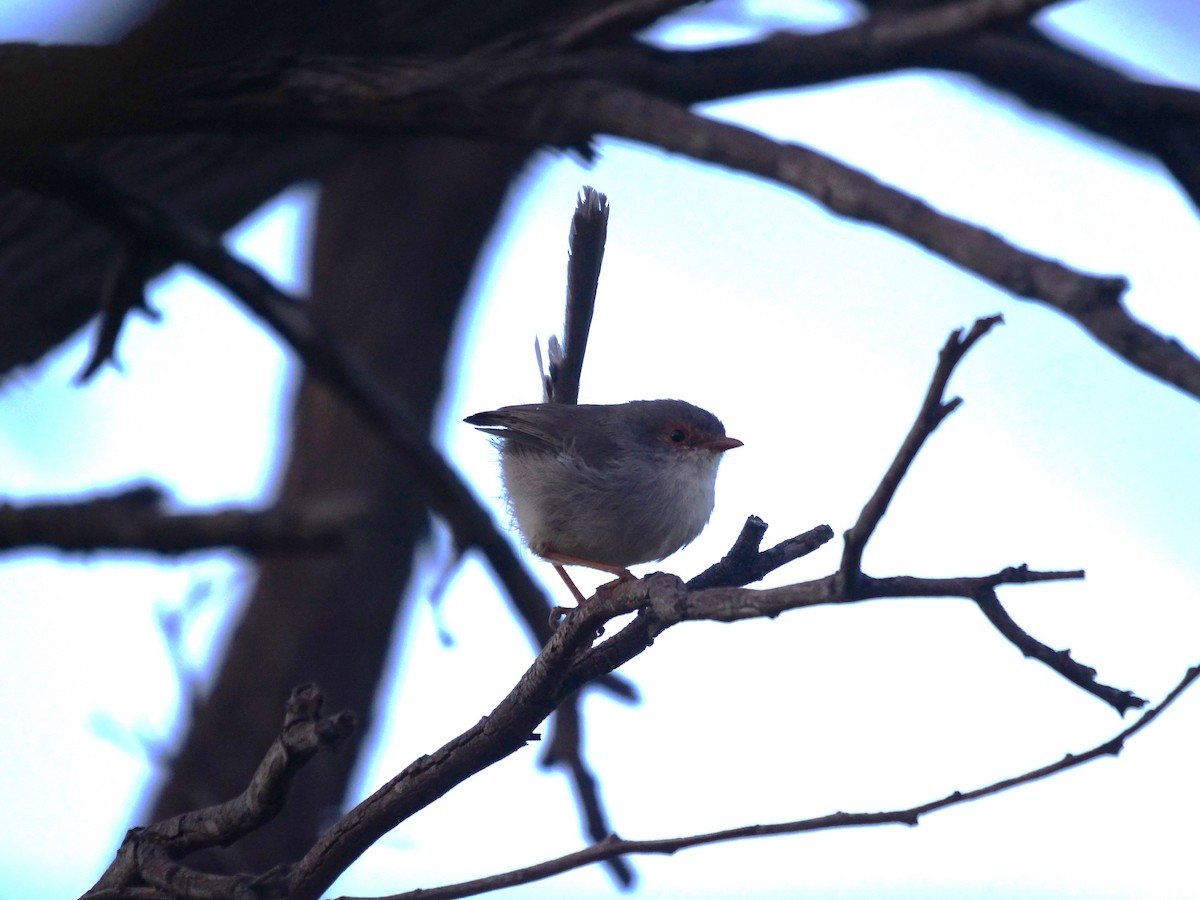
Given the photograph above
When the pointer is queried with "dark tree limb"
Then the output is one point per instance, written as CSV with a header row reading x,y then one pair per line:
x,y
133,520
568,115
561,101
1025,63
140,220
783,60
110,93
148,855
614,846
843,190
1094,302
537,94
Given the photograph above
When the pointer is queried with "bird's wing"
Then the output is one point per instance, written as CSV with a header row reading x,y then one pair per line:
x,y
542,426
528,425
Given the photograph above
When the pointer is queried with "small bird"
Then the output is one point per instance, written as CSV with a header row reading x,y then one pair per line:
x,y
607,486
602,486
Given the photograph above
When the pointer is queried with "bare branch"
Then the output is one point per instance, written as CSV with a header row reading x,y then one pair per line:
x,y
142,221
614,846
569,661
538,93
662,601
746,564
932,413
148,855
614,22
111,94
845,191
133,520
123,292
983,592
1094,302
1060,661
508,728
564,750
886,41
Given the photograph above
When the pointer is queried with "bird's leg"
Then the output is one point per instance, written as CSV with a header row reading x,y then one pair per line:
x,y
558,560
579,598
561,559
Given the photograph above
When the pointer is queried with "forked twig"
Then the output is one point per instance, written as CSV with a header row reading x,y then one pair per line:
x,y
615,846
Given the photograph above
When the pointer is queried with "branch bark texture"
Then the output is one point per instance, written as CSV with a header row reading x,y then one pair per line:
x,y
557,90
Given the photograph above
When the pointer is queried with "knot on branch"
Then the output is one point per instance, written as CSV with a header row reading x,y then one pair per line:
x,y
667,596
150,856
305,731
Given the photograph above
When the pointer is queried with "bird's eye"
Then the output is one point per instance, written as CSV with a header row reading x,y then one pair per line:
x,y
677,436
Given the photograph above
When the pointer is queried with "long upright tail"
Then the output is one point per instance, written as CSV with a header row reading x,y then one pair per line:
x,y
589,230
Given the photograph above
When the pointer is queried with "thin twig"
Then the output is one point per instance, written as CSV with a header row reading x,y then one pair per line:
x,y
932,413
614,22
1060,661
133,520
615,846
884,42
148,855
663,601
983,592
564,751
123,292
746,564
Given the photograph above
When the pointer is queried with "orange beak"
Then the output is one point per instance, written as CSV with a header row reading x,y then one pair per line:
x,y
721,444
